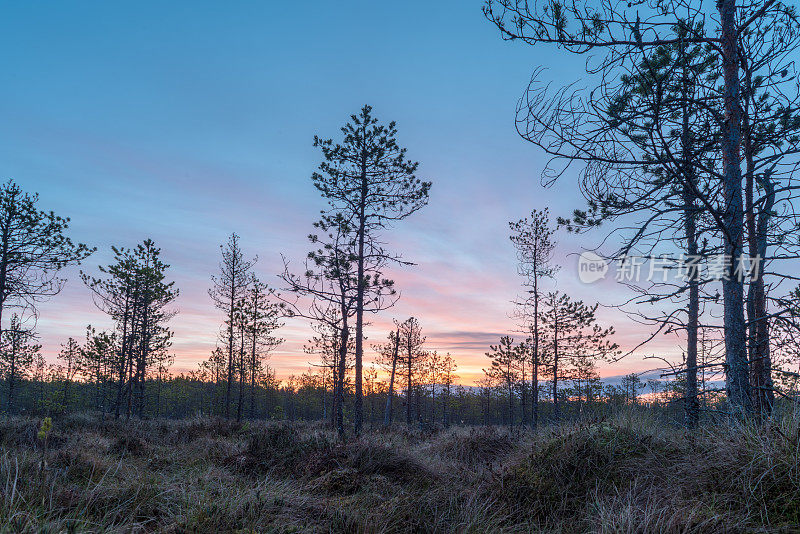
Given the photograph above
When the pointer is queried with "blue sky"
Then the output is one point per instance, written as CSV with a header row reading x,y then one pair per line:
x,y
186,121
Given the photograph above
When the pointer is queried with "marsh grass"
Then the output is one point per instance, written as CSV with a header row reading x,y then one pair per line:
x,y
623,474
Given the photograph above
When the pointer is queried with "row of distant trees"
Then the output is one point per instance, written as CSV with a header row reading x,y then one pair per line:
x,y
431,402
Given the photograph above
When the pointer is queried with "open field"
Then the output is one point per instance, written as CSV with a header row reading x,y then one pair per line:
x,y
623,474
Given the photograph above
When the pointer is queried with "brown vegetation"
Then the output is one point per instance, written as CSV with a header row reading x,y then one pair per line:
x,y
623,474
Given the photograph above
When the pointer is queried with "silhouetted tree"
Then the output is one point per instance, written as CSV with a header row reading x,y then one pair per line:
x,y
533,241
228,289
260,316
505,369
413,358
330,282
389,355
33,249
367,181
135,293
449,376
72,365
572,333
17,355
98,357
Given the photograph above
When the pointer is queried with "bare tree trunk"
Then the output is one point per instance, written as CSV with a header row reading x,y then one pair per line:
x,y
691,407
737,376
446,414
359,408
523,393
556,407
12,377
242,377
387,416
535,369
510,400
408,378
334,377
253,377
123,356
692,413
339,402
757,220
763,394
230,361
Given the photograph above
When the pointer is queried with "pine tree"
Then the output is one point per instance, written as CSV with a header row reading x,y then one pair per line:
x,y
260,318
505,369
389,355
572,333
449,376
17,356
533,241
72,366
135,293
367,180
413,359
98,355
229,287
33,249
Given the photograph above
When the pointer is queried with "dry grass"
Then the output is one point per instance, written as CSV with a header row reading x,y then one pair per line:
x,y
622,475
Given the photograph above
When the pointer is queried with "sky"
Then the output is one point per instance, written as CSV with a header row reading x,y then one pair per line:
x,y
186,121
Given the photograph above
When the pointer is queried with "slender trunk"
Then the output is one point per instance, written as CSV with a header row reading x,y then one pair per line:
x,y
241,377
123,357
510,399
387,416
144,353
757,220
12,376
691,409
4,268
764,389
129,387
67,381
418,403
433,399
334,377
523,399
408,375
556,408
358,411
446,414
345,334
253,363
535,370
230,355
737,379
